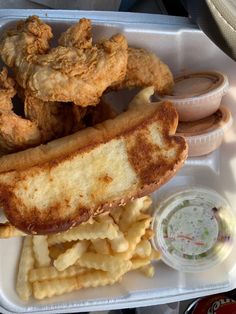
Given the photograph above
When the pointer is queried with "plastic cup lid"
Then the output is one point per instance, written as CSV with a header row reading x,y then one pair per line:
x,y
194,229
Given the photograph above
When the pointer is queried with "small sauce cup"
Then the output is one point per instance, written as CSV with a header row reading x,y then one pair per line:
x,y
198,95
194,229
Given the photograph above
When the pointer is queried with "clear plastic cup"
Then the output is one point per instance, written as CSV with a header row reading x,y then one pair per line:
x,y
194,228
206,135
198,95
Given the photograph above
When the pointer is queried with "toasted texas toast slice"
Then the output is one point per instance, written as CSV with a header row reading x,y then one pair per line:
x,y
62,184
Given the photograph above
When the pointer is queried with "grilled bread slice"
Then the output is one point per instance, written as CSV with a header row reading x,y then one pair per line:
x,y
53,187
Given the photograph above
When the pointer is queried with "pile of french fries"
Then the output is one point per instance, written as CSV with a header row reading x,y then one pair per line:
x,y
96,253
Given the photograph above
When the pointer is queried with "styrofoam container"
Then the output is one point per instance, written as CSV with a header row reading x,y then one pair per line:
x,y
198,95
176,42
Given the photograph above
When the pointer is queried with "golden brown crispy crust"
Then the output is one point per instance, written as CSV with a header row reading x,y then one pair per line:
x,y
29,37
144,69
42,121
78,35
16,133
32,224
79,72
151,168
77,75
7,90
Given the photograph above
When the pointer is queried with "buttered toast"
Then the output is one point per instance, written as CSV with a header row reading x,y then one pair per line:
x,y
55,186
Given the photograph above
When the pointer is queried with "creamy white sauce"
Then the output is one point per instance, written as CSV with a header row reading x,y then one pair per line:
x,y
193,230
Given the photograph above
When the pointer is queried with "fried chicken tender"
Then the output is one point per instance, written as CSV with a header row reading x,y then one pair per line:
x,y
43,121
145,69
54,119
79,75
7,90
16,133
65,73
78,35
30,37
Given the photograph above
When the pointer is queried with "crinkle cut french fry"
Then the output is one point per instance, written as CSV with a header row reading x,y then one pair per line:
x,y
155,255
142,216
70,256
148,270
48,273
101,246
93,278
133,236
130,250
58,249
143,249
50,288
96,278
26,263
116,213
97,230
104,218
136,231
91,247
102,262
139,262
119,244
55,251
41,251
132,210
147,202
9,231
149,233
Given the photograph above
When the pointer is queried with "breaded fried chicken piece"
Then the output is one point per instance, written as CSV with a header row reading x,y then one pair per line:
x,y
65,73
28,38
78,75
43,121
7,90
15,132
54,119
79,35
146,69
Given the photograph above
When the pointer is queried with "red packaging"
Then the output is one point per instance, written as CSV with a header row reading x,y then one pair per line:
x,y
215,304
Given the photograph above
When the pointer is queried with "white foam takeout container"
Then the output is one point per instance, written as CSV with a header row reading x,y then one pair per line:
x,y
177,43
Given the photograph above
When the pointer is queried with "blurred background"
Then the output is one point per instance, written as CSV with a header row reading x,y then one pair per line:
x,y
149,6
